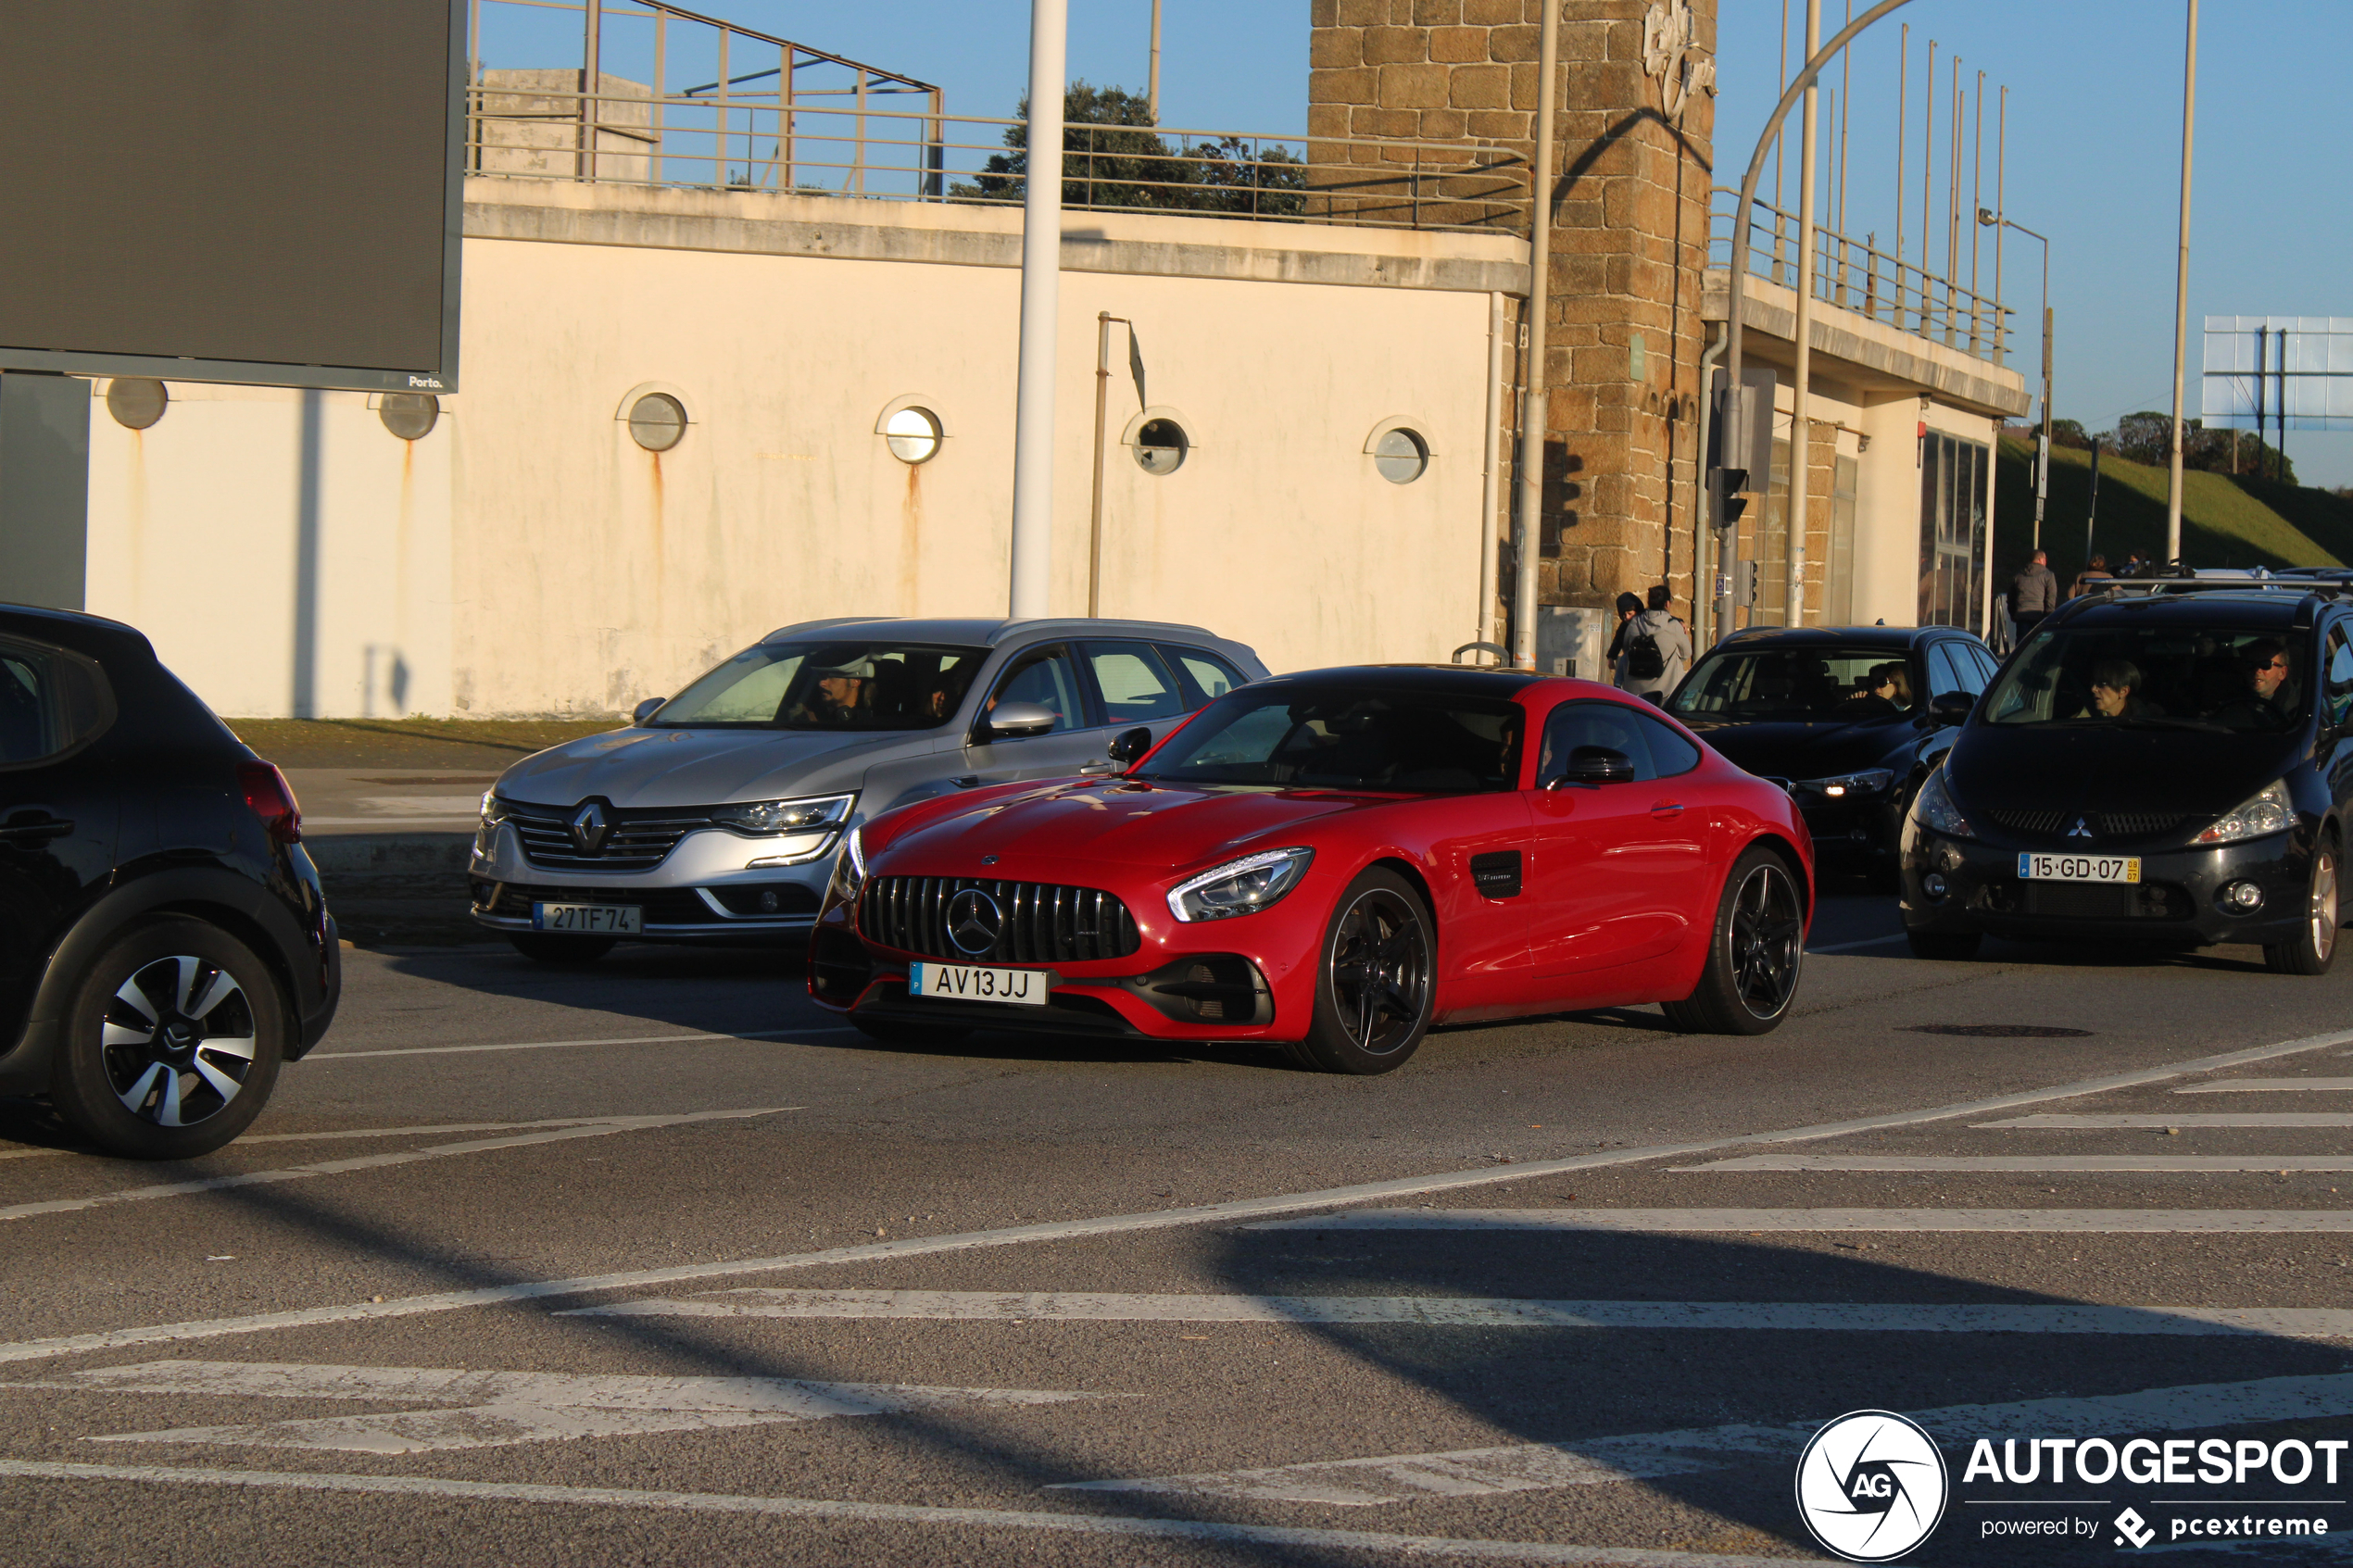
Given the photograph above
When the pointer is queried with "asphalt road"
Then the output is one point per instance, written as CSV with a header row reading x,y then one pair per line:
x,y
654,1263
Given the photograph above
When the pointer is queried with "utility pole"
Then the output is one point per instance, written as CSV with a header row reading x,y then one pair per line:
x,y
1801,424
1533,410
1152,92
1041,244
2182,292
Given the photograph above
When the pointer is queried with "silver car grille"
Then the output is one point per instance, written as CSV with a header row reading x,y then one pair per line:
x,y
636,841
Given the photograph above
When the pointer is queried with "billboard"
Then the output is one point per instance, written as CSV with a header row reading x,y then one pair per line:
x,y
2283,372
259,191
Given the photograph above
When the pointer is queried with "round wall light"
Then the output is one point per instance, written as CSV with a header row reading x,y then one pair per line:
x,y
656,422
1161,447
137,402
1401,454
913,435
409,415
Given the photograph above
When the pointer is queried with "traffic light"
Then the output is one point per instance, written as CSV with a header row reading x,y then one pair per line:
x,y
1730,502
1744,582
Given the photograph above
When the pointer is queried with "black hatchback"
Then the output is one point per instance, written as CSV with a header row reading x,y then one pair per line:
x,y
1843,718
164,943
2170,766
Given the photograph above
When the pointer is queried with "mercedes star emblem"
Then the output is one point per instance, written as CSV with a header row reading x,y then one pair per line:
x,y
589,828
974,921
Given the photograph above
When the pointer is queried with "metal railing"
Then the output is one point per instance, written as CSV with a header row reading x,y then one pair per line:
x,y
1859,277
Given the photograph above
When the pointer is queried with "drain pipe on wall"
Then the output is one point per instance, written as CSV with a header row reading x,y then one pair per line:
x,y
1704,526
1533,406
1490,476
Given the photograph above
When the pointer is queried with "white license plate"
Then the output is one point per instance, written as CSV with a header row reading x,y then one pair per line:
x,y
2079,868
971,983
602,920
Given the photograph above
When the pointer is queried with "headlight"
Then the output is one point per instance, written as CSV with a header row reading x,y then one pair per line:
x,y
493,808
763,818
2267,811
849,869
1870,781
1933,808
1239,887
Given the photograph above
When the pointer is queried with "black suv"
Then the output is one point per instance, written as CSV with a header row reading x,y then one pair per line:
x,y
2169,762
164,943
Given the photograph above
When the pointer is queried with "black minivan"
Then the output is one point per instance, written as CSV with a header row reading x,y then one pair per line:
x,y
164,943
2168,766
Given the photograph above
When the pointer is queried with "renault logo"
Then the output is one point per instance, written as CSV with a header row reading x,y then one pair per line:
x,y
589,828
2081,830
974,921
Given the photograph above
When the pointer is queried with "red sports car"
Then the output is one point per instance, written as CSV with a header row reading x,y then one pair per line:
x,y
1333,861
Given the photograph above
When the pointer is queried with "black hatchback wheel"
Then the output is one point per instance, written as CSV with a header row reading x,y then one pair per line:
x,y
1755,954
2313,947
1376,983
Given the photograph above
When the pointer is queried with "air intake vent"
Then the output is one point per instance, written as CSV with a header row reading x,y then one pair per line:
x,y
1037,923
2040,822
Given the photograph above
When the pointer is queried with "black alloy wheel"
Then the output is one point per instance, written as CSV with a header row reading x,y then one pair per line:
x,y
2313,947
543,946
1376,986
173,1042
1756,954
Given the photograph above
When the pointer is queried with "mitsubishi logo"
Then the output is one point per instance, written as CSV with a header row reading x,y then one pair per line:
x,y
589,828
2081,830
974,921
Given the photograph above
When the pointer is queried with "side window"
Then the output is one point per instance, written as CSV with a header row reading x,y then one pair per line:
x,y
1670,753
1135,686
1942,675
1047,679
50,702
1205,675
2340,676
1607,725
1987,665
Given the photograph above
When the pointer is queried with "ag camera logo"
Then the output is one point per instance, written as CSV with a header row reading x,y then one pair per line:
x,y
1871,1485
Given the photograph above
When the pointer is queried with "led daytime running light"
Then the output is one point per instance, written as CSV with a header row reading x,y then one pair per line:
x,y
1286,866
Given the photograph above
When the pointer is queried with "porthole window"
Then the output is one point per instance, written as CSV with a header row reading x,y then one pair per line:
x,y
1161,447
1402,456
409,415
913,435
137,402
656,422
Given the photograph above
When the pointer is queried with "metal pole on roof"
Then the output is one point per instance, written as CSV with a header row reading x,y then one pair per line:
x,y
1801,423
1535,406
1152,92
2182,292
1041,223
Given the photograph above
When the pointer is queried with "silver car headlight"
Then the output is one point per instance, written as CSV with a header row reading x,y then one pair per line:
x,y
1239,887
763,819
2268,810
494,810
1838,786
1933,808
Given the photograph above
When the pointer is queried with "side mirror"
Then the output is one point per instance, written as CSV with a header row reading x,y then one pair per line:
x,y
1595,764
1948,709
647,709
1129,744
1011,721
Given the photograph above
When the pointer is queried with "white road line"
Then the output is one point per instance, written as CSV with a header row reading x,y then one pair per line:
x,y
354,1133
2048,1165
1448,1312
377,1161
2265,1085
2227,1119
1524,1467
1119,1224
2007,1221
554,1044
1394,1546
498,1409
1866,942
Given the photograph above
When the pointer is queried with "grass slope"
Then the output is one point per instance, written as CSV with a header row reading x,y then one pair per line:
x,y
2225,522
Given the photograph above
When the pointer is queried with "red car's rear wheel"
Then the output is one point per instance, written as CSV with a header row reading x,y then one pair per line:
x,y
1375,980
1755,953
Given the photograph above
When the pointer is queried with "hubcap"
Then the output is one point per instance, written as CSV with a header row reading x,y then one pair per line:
x,y
1767,942
178,1041
1380,971
2324,904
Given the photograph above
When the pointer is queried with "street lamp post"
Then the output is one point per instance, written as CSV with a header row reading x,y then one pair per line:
x,y
2042,454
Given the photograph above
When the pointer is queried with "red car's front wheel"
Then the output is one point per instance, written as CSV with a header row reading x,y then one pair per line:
x,y
1375,980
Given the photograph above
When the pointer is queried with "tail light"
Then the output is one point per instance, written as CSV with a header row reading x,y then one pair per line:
x,y
272,799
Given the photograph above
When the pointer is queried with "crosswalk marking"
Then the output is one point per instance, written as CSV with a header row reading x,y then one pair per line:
x,y
1524,1467
2265,1085
2195,1119
1447,1311
2023,1222
478,1409
2054,1164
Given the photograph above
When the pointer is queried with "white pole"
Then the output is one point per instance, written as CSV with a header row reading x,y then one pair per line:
x,y
2181,293
1490,474
1801,425
1042,225
1152,95
1533,407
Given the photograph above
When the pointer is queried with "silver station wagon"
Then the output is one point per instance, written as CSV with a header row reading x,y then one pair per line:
x,y
715,816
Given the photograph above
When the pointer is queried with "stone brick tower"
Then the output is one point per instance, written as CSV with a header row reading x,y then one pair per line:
x,y
1629,185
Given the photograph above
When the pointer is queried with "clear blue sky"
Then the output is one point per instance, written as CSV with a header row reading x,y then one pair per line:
x,y
2094,137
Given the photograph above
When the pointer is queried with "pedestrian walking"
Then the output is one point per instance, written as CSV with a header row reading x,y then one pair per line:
x,y
1655,648
1628,606
2034,592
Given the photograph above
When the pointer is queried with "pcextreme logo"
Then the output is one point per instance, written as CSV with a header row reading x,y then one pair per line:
x,y
1871,1485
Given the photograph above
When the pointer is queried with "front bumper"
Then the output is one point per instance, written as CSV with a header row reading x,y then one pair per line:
x,y
702,892
2175,901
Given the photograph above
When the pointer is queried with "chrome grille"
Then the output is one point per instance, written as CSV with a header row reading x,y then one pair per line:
x,y
1043,923
636,841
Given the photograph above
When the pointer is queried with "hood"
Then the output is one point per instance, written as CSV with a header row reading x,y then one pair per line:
x,y
1816,751
1150,827
665,768
2070,768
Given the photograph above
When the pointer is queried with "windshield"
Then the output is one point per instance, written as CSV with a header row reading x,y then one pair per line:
x,y
2175,677
1417,743
1838,684
828,686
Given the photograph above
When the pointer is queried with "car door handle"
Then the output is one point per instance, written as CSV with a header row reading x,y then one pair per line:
x,y
26,828
1666,808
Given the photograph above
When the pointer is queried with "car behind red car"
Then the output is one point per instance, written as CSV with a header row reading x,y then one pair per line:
x,y
1333,861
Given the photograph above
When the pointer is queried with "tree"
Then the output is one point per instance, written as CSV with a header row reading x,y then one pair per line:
x,y
1112,157
2147,437
2070,433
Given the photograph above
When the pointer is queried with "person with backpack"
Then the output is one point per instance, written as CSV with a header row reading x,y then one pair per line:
x,y
1656,649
